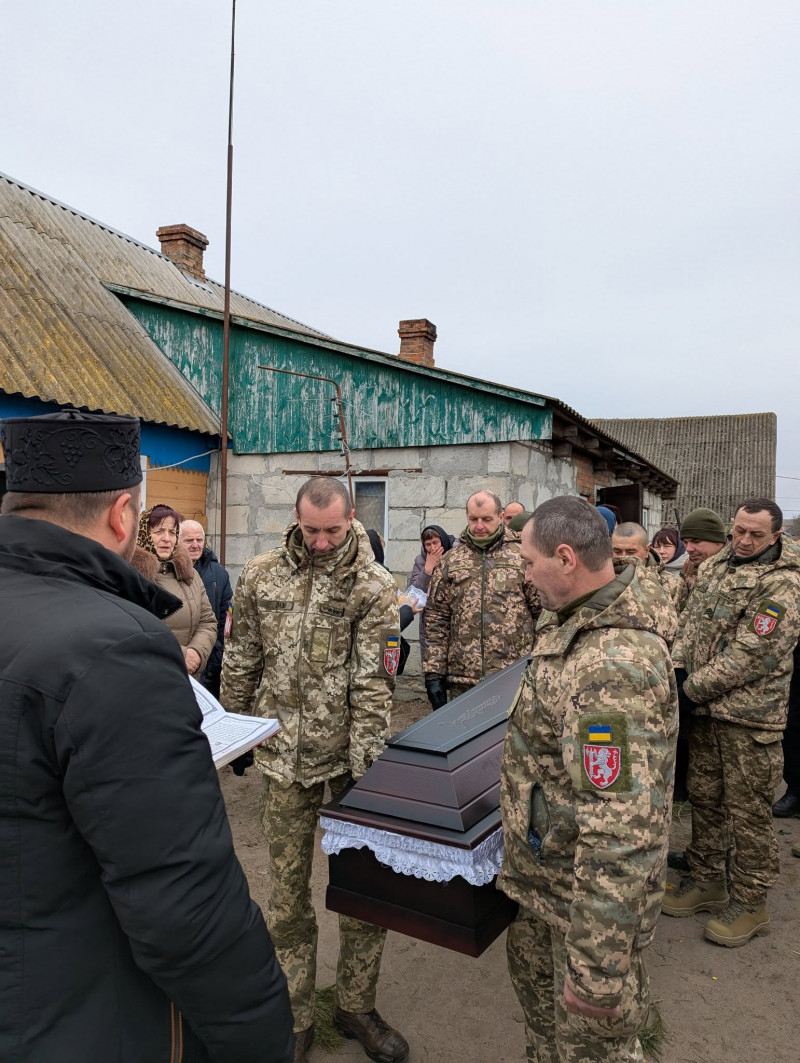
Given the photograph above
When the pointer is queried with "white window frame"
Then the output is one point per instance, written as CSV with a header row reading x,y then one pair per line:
x,y
375,480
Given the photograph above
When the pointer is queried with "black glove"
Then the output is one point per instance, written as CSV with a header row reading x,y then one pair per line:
x,y
242,763
685,703
436,689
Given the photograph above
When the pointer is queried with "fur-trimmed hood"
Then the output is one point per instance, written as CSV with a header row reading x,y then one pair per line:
x,y
148,565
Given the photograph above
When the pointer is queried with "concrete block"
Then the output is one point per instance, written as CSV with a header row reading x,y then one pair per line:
x,y
400,556
239,490
459,488
412,490
452,520
537,467
397,458
238,520
240,549
330,461
526,494
520,458
246,464
465,458
498,460
278,490
234,572
304,460
405,523
272,520
568,476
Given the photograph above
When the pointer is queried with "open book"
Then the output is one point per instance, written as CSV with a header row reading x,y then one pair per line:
x,y
229,733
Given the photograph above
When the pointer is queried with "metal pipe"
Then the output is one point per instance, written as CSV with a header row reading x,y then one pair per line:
x,y
340,408
226,316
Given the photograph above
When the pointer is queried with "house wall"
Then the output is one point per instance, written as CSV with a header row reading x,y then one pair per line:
x,y
261,495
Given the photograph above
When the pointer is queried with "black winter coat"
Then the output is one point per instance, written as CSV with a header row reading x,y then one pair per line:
x,y
122,903
220,594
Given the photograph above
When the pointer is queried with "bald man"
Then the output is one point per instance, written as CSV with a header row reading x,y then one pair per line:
x,y
481,613
218,588
630,540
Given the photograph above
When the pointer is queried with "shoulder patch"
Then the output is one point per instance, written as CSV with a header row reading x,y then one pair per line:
x,y
768,616
391,654
229,622
605,753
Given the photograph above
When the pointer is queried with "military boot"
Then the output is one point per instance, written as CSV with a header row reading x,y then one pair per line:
x,y
736,924
692,897
381,1043
302,1042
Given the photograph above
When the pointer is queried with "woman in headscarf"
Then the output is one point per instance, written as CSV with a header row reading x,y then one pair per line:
x,y
668,544
160,558
435,544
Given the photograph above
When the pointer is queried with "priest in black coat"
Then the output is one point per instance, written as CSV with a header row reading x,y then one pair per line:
x,y
127,931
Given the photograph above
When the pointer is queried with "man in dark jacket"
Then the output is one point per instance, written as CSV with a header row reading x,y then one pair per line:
x,y
218,588
126,927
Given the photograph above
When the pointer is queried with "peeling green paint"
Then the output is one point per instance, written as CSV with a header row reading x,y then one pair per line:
x,y
387,403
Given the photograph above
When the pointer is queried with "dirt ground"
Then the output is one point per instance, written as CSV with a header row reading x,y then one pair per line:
x,y
719,1005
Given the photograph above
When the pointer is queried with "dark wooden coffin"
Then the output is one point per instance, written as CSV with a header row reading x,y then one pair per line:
x,y
438,780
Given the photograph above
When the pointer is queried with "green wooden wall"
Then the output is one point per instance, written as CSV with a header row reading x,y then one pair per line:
x,y
386,403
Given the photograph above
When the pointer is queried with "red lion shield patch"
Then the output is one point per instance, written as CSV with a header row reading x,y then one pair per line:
x,y
602,765
763,624
391,655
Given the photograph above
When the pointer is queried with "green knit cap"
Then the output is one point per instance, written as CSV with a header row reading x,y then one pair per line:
x,y
703,524
518,523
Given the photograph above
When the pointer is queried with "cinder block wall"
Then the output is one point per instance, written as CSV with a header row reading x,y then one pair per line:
x,y
261,495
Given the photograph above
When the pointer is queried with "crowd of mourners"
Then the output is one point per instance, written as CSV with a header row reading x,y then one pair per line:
x,y
654,669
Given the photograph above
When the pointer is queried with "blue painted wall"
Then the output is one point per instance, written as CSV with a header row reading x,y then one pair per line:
x,y
162,445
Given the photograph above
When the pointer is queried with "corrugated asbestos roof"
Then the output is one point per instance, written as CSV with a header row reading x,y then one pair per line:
x,y
65,338
718,461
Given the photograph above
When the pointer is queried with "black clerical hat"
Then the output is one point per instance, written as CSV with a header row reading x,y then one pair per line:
x,y
70,451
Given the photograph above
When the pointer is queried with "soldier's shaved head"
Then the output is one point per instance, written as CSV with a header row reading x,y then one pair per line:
x,y
630,540
322,491
483,497
571,521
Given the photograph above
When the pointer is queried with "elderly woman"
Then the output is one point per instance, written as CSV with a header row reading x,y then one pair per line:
x,y
161,559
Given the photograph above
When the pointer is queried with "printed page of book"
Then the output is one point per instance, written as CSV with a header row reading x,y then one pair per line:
x,y
229,733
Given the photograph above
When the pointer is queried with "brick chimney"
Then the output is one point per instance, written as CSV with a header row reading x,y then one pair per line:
x,y
417,338
185,246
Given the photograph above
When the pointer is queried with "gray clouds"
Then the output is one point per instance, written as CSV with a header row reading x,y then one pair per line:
x,y
597,201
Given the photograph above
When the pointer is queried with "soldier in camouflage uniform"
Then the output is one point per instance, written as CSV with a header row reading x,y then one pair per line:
x,y
315,641
733,658
630,540
586,792
481,613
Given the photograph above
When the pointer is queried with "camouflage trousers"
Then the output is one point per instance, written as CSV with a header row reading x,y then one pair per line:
x,y
455,690
733,772
289,818
537,963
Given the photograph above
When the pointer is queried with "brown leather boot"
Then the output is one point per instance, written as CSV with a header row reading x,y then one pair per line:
x,y
381,1043
302,1042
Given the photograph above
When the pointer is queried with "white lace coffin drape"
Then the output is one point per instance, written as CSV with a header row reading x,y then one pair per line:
x,y
414,856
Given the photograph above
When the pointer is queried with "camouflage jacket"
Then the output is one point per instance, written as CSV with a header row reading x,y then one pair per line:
x,y
670,582
737,635
315,643
481,613
586,781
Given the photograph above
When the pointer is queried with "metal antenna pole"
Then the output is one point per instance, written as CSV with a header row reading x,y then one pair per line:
x,y
340,411
226,319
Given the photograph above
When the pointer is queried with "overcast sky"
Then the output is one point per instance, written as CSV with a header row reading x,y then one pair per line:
x,y
596,200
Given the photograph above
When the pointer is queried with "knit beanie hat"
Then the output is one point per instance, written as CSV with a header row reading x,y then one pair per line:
x,y
608,517
703,524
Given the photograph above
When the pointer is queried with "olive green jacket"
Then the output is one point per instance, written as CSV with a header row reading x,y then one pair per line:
x,y
737,635
315,642
586,780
